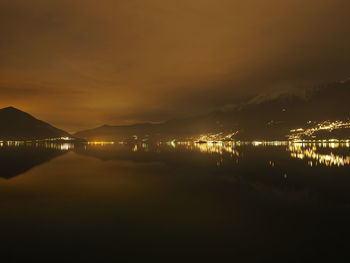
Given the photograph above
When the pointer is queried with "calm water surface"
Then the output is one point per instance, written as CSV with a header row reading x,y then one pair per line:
x,y
248,202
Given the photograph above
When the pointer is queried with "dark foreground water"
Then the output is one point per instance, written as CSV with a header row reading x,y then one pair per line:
x,y
181,202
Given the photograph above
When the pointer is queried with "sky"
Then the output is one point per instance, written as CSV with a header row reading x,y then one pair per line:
x,y
79,64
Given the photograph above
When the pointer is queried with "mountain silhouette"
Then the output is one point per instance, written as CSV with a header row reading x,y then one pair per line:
x,y
18,125
264,117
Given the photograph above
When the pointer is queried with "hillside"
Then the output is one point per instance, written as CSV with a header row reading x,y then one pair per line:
x,y
264,117
18,125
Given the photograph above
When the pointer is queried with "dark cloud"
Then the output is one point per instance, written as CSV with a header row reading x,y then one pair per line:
x,y
82,63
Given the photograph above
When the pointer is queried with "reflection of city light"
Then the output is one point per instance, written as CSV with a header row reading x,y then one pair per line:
x,y
100,143
304,150
45,144
309,151
299,150
66,146
255,143
212,147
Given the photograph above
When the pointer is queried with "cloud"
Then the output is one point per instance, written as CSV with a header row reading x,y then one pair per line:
x,y
122,61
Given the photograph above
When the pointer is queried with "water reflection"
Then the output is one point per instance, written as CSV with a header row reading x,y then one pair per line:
x,y
309,151
299,150
18,157
210,147
36,144
174,197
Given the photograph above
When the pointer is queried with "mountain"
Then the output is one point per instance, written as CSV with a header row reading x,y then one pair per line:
x,y
18,125
268,117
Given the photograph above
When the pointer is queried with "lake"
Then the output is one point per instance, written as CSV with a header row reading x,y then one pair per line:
x,y
249,202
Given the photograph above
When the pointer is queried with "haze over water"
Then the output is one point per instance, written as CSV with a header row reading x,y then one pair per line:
x,y
249,201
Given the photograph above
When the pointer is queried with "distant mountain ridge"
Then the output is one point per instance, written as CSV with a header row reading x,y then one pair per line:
x,y
18,125
265,117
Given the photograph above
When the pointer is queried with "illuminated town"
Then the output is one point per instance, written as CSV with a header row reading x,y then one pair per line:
x,y
326,126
